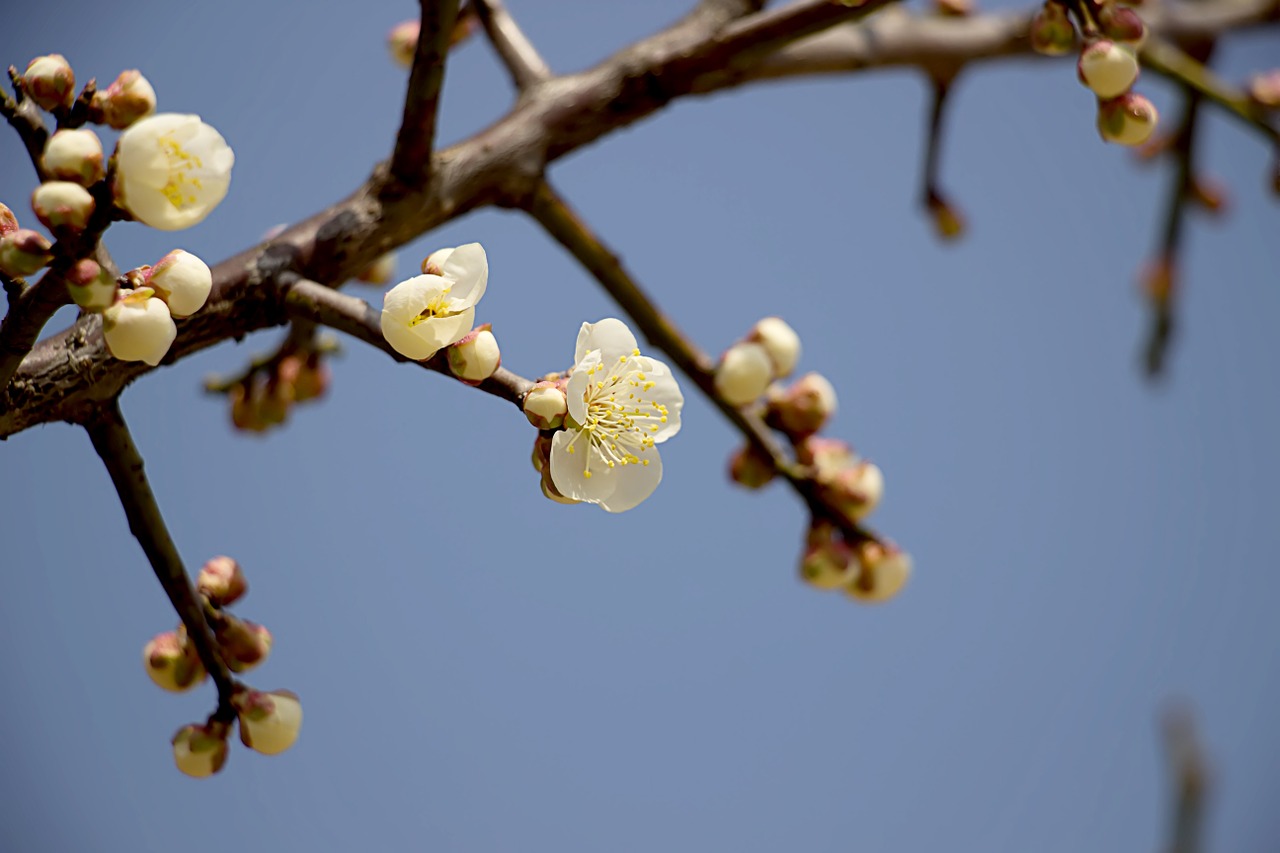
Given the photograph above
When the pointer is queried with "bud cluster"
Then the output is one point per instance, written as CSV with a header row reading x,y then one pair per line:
x,y
867,570
768,352
264,397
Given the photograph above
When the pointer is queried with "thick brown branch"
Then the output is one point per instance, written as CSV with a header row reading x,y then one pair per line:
x,y
521,59
361,320
411,162
111,439
27,315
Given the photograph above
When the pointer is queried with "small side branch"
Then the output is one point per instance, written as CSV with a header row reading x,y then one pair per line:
x,y
1165,58
24,117
111,439
1189,778
411,161
517,53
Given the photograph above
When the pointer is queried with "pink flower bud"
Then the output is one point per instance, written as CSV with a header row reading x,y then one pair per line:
x,y
172,662
24,252
50,82
74,155
200,750
1264,89
1128,120
91,287
309,377
129,98
402,42
243,644
804,407
221,581
827,456
269,722
8,221
1051,31
884,571
545,405
62,205
476,357
855,490
750,469
1108,69
1122,24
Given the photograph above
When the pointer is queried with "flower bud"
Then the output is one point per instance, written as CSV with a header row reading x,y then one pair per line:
x,y
827,562
750,469
743,374
8,221
24,252
308,377
804,407
243,644
948,221
827,456
138,327
129,98
1108,69
50,82
62,204
541,456
245,415
954,8
545,405
1051,31
74,155
182,280
476,357
221,581
91,287
1128,120
380,271
269,722
781,343
884,570
1264,89
1209,194
1122,24
855,490
200,750
402,42
172,662
1158,279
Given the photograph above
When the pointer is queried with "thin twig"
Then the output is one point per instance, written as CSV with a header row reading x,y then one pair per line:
x,y
411,161
1189,775
521,59
1170,60
111,439
24,117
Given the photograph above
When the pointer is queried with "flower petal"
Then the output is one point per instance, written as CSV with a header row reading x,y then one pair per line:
x,y
569,470
634,483
611,336
407,299
665,392
576,389
468,267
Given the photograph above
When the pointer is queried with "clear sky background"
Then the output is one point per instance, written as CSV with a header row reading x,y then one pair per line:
x,y
483,670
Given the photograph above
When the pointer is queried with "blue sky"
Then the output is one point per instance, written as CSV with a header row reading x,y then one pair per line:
x,y
484,670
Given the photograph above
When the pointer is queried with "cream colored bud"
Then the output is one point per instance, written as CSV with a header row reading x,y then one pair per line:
x,y
74,155
172,663
856,490
62,205
743,374
750,469
380,271
129,98
1127,120
24,252
476,357
8,220
804,407
222,581
138,327
402,42
50,82
269,722
780,341
91,287
884,571
545,405
182,280
242,644
200,750
828,565
1107,68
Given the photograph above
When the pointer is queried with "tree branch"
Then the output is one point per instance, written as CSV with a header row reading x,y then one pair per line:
x,y
411,161
1189,774
24,117
517,53
111,439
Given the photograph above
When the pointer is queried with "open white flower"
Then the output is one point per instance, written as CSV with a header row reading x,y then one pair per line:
x,y
428,312
621,406
171,170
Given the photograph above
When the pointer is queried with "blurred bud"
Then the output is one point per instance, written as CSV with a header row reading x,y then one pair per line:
x,y
948,221
802,408
244,413
1051,31
750,469
402,42
743,373
138,327
273,399
1155,147
1128,120
1108,69
172,662
545,405
91,287
243,644
827,456
541,456
1158,279
827,562
884,571
309,377
128,98
780,341
1209,194
269,722
50,82
476,357
24,252
62,205
856,490
182,280
200,750
549,491
953,8
1122,24
74,155
380,271
221,581
1264,88
8,221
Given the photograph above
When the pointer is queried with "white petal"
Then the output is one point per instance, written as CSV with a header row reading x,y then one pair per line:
x,y
576,389
139,332
666,392
408,298
172,170
634,483
611,336
468,267
568,470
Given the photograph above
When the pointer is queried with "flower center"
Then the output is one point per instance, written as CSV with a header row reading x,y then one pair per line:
x,y
620,417
439,306
182,186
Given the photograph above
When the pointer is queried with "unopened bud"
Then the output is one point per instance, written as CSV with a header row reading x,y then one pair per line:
x,y
200,750
244,410
129,97
1210,194
476,357
402,42
138,327
172,662
827,562
91,287
541,456
74,155
1158,279
948,221
182,280
62,205
1128,120
8,221
1264,89
827,456
309,377
269,722
380,271
50,82
749,468
1122,24
243,644
856,490
781,343
743,374
1108,69
24,252
804,407
884,571
545,405
222,581
1051,31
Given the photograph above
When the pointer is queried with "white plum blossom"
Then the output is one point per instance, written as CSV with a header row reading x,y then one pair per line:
x,y
138,327
171,170
431,311
621,406
182,280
